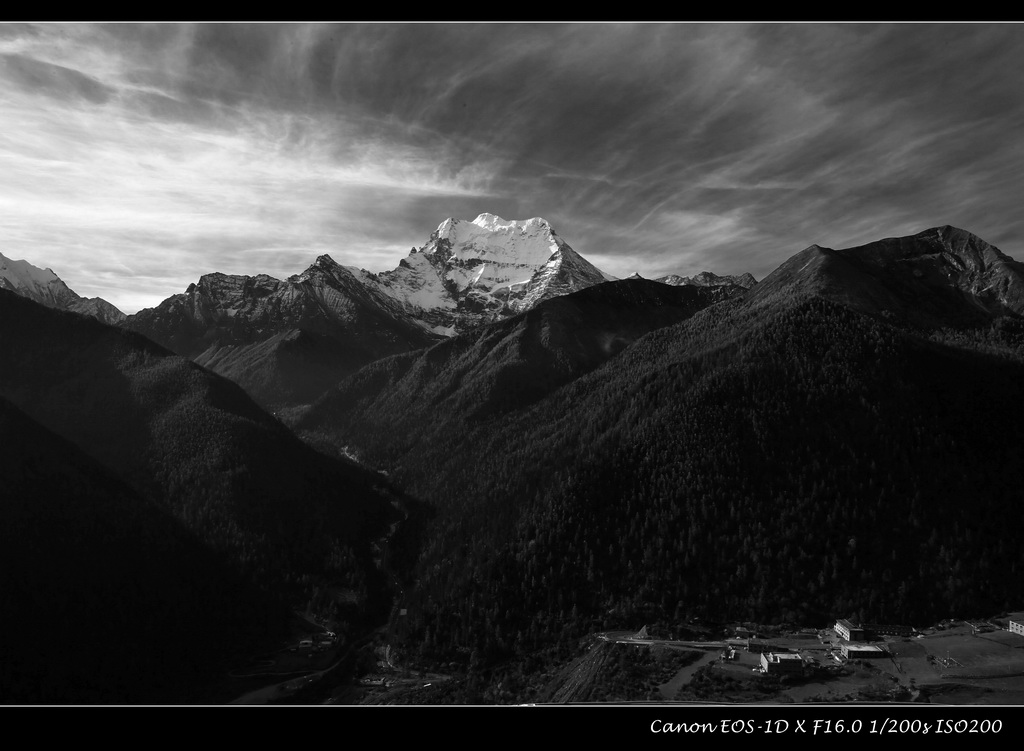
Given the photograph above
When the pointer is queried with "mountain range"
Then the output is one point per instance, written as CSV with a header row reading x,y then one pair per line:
x,y
708,279
287,341
553,452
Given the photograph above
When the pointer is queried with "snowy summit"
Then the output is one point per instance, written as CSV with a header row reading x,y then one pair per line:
x,y
470,273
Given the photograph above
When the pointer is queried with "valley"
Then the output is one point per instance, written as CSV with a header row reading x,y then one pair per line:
x,y
496,475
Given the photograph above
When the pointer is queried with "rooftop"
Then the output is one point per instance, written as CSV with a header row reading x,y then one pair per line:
x,y
774,657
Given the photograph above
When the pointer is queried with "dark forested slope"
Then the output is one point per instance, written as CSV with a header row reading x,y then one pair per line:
x,y
288,519
107,598
506,366
795,455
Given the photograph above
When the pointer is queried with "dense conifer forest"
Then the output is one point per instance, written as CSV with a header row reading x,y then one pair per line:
x,y
787,463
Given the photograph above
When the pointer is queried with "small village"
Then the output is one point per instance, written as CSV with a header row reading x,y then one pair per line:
x,y
847,641
955,662
952,662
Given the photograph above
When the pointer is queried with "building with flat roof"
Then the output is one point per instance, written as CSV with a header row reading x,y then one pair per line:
x,y
862,651
1017,623
781,662
848,631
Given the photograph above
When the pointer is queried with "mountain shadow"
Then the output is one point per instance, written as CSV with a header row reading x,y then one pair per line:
x,y
290,520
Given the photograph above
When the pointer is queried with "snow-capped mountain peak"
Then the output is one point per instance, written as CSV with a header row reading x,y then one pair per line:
x,y
490,238
470,273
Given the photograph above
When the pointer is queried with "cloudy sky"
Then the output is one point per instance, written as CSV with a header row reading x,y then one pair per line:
x,y
135,158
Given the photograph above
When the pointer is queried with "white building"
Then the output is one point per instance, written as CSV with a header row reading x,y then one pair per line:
x,y
848,631
861,651
781,662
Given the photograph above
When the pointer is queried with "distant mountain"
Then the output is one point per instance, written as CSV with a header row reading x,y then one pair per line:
x,y
943,276
824,443
98,308
283,341
45,287
708,279
475,272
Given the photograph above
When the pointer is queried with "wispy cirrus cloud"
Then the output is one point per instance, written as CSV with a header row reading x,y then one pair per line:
x,y
138,156
192,185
